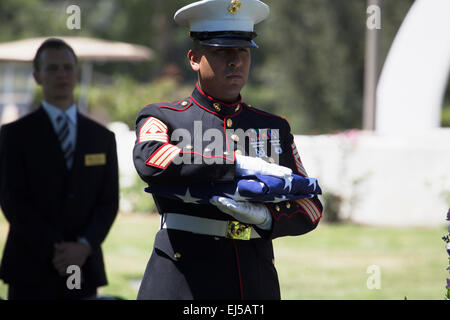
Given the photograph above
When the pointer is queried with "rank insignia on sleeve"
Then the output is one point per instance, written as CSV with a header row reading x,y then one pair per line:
x,y
153,130
298,162
310,208
163,156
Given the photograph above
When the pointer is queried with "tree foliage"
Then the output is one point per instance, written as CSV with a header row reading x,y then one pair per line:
x,y
309,67
314,60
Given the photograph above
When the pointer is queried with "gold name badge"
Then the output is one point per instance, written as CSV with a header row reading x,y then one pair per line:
x,y
238,231
95,159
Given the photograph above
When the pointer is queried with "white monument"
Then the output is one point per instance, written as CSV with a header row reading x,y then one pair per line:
x,y
398,175
414,77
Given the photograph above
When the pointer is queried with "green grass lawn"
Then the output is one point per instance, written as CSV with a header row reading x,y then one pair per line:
x,y
328,263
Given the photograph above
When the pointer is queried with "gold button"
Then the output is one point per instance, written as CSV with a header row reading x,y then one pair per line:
x,y
229,123
189,147
207,150
235,137
288,205
216,106
238,152
184,103
277,207
273,261
271,160
237,108
177,255
225,153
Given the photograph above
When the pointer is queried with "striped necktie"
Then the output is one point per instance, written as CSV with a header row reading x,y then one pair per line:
x,y
64,139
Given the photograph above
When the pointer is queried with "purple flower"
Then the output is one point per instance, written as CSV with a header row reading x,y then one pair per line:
x,y
448,284
448,215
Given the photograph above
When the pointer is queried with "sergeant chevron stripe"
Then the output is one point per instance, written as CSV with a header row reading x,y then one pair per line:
x,y
153,130
298,162
162,157
310,208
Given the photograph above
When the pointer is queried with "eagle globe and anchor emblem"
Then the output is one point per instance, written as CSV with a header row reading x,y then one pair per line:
x,y
234,7
238,231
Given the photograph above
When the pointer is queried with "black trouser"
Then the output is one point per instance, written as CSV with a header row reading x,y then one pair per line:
x,y
186,266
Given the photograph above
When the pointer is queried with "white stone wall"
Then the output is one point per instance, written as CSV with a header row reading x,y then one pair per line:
x,y
384,180
125,140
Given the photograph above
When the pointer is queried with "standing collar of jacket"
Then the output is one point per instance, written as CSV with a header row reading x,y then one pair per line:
x,y
215,106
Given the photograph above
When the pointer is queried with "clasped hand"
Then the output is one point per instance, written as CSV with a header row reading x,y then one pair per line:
x,y
69,253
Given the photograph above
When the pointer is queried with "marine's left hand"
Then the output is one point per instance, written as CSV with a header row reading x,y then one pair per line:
x,y
246,212
69,253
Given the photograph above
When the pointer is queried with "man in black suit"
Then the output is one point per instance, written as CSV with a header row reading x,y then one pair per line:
x,y
58,189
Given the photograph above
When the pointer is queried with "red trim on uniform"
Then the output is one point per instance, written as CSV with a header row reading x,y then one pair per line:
x,y
172,108
154,103
225,132
270,209
152,122
161,138
214,100
167,152
179,101
277,218
298,211
318,209
157,166
224,119
309,209
204,107
308,206
166,155
235,114
295,162
209,157
239,269
220,115
148,162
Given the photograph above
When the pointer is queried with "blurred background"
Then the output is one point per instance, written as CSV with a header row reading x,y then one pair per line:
x,y
368,104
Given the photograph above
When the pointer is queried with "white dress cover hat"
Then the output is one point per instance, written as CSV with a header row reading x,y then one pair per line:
x,y
224,23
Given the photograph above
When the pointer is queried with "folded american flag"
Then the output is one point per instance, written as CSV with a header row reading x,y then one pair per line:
x,y
256,188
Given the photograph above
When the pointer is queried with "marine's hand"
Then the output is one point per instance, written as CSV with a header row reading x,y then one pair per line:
x,y
69,253
246,212
250,166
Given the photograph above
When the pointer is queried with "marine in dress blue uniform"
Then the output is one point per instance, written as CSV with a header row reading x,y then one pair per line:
x,y
202,251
